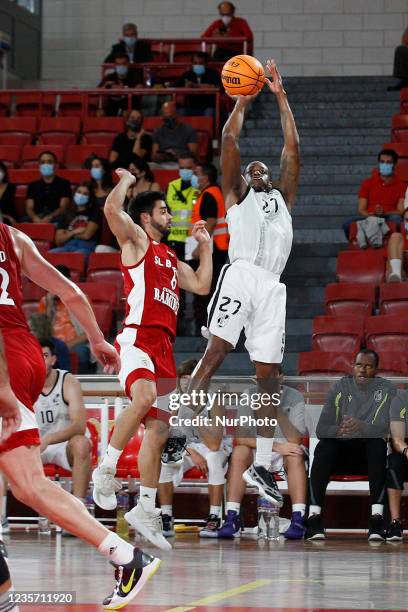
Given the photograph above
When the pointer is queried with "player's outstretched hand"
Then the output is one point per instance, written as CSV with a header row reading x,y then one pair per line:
x,y
10,414
107,355
275,85
125,175
243,100
200,233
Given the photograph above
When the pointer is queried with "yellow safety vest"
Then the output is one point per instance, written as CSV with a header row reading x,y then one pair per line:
x,y
181,207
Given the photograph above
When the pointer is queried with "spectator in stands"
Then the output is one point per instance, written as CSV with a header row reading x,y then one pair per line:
x,y
144,177
401,63
397,472
382,194
121,78
228,25
198,76
397,249
79,228
136,50
133,141
8,213
352,432
61,418
41,326
210,207
49,197
101,178
173,138
65,326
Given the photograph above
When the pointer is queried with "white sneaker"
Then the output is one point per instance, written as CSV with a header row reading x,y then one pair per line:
x,y
394,277
105,487
149,524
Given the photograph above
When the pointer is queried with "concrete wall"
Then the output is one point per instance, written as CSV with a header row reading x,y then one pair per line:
x,y
306,37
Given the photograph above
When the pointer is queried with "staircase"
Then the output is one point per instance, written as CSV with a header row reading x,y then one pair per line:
x,y
342,123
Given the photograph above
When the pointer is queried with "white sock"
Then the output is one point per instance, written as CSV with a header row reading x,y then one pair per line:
x,y
263,451
299,508
167,509
377,509
395,265
115,549
111,457
235,506
215,510
147,498
314,510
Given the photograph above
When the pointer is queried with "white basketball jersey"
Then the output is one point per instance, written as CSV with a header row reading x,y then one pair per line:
x,y
260,229
51,410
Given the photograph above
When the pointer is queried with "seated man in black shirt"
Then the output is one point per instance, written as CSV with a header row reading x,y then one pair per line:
x,y
137,50
134,141
49,197
173,139
352,429
198,76
122,78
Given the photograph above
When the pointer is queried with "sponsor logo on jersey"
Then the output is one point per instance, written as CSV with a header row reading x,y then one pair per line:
x,y
378,396
222,320
167,297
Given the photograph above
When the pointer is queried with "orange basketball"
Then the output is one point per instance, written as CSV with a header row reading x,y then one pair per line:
x,y
243,75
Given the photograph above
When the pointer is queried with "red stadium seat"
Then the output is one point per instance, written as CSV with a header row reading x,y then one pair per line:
x,y
71,105
127,464
34,105
342,334
165,74
17,131
23,176
5,102
31,153
401,169
348,299
401,148
43,234
394,299
361,267
31,291
194,474
205,124
106,267
104,316
163,177
393,364
75,176
404,100
75,262
76,155
101,130
160,51
184,51
10,155
103,299
387,333
317,362
59,130
204,146
399,129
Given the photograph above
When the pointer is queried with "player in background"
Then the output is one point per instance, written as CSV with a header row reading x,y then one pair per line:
x,y
20,459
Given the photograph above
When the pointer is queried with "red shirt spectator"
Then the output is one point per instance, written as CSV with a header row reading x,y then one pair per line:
x,y
228,25
379,191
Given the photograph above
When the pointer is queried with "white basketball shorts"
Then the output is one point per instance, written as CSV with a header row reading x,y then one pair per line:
x,y
56,453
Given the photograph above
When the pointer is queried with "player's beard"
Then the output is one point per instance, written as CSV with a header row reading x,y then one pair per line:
x,y
164,230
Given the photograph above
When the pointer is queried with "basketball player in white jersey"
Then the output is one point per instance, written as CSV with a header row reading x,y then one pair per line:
x,y
61,418
249,294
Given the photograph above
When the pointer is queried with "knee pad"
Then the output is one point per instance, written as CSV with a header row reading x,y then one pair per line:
x,y
217,467
168,472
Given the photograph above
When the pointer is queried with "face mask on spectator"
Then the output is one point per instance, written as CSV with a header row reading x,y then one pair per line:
x,y
121,70
185,174
385,169
169,122
97,173
81,199
134,125
1,176
130,41
226,20
47,169
198,69
194,181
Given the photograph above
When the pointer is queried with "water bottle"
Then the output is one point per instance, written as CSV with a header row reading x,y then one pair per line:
x,y
122,526
268,520
44,526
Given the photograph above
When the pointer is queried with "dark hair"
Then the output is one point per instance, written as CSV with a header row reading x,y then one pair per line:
x,y
366,351
121,54
187,156
142,165
5,170
107,180
65,271
90,188
202,55
143,203
186,367
47,343
210,171
389,152
55,158
230,3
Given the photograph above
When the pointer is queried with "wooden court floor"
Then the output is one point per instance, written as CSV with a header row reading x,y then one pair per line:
x,y
343,573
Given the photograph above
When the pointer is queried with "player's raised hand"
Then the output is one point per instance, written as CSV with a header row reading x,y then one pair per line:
x,y
200,233
276,84
9,412
107,355
243,100
125,175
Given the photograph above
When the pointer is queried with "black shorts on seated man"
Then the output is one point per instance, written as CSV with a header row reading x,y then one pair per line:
x,y
352,429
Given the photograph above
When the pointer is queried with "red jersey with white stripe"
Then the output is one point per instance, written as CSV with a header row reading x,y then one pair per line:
x,y
151,289
11,292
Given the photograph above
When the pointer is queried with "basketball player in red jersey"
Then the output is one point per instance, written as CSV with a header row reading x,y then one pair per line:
x,y
152,277
20,459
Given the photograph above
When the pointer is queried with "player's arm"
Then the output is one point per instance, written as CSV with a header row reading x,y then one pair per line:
x,y
118,220
77,413
9,410
46,276
198,281
290,158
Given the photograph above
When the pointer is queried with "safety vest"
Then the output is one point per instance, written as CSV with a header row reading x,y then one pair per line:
x,y
181,205
220,234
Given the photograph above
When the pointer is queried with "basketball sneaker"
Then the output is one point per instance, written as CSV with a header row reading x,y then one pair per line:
x,y
260,477
314,528
168,526
211,528
149,524
297,528
394,532
105,487
376,528
131,578
231,527
174,451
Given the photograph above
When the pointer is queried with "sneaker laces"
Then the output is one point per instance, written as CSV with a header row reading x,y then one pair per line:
x,y
107,483
153,522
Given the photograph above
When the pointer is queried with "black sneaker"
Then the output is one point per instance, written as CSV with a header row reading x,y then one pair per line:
x,y
394,532
131,578
314,528
168,526
376,528
211,527
258,476
174,450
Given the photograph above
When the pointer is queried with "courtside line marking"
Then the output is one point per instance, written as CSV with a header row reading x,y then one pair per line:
x,y
250,586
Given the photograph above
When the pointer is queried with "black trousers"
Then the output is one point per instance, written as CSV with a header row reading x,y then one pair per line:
x,y
357,456
401,62
397,472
